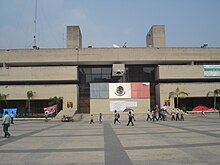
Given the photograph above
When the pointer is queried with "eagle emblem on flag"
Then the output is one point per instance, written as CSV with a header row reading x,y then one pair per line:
x,y
120,91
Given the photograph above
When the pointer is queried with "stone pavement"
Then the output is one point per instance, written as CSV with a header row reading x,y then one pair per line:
x,y
195,141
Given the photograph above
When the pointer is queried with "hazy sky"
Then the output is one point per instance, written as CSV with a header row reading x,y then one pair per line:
x,y
188,23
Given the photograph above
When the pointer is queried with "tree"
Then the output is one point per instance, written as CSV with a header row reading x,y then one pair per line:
x,y
30,95
55,100
215,93
177,93
4,97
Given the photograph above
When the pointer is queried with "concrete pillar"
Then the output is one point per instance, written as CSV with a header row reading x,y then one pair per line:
x,y
73,37
156,37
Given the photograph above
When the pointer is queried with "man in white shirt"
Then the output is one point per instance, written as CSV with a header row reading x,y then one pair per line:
x,y
6,124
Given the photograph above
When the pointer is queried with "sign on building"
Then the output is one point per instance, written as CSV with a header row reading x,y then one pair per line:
x,y
211,70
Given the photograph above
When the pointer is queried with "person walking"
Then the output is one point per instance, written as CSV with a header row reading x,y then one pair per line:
x,y
177,115
203,113
100,118
162,114
117,116
173,114
12,117
6,124
157,111
130,118
46,116
148,115
154,115
91,120
181,115
132,113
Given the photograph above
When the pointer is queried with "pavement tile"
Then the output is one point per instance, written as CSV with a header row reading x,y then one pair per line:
x,y
195,141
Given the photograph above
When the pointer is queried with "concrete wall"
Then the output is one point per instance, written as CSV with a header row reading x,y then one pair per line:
x,y
104,56
180,72
38,73
19,92
108,56
103,105
194,90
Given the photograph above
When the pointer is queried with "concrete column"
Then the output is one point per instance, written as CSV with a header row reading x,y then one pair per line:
x,y
73,37
156,37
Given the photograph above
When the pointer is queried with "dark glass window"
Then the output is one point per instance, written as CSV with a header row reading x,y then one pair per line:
x,y
86,70
139,73
134,73
88,78
106,77
96,78
107,71
96,71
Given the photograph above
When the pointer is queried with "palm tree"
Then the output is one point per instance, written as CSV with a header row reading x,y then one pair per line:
x,y
4,97
177,93
30,95
215,93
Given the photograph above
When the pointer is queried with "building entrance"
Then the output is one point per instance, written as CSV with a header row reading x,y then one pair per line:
x,y
103,73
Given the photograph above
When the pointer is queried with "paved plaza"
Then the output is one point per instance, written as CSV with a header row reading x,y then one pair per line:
x,y
195,141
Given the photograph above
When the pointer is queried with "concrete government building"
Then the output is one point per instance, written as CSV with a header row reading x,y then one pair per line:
x,y
94,80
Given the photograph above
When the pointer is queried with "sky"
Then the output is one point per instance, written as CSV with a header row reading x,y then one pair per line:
x,y
188,23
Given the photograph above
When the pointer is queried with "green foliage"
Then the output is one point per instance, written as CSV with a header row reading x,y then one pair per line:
x,y
177,93
214,93
4,97
30,95
55,100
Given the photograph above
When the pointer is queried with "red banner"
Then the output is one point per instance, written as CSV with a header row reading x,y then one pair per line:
x,y
140,90
51,109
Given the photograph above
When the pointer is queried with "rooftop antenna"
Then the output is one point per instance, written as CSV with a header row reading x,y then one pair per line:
x,y
204,46
35,27
124,46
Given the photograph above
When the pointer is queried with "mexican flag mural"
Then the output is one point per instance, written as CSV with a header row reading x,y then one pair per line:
x,y
120,90
107,97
